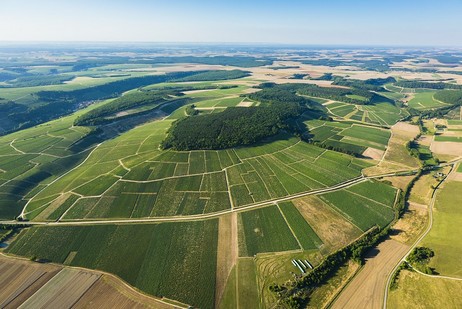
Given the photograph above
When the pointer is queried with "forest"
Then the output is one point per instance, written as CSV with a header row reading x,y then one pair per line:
x,y
235,126
427,85
449,96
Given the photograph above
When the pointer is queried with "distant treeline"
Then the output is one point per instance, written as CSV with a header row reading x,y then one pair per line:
x,y
427,85
214,75
109,90
331,93
372,65
373,84
38,80
238,61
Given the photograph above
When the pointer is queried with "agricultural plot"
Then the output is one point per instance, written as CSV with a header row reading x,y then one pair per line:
x,y
165,260
363,211
37,156
302,230
128,177
447,138
425,100
443,237
379,113
299,168
415,289
349,137
264,230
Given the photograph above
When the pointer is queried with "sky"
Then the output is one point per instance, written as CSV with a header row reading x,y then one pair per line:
x,y
330,22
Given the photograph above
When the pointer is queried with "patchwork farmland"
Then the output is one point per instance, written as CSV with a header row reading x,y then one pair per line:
x,y
301,170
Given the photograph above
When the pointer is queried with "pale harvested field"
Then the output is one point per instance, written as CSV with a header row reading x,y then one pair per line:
x,y
63,290
422,189
412,224
400,182
416,291
245,104
116,295
405,129
455,176
334,230
367,289
447,148
373,153
20,280
227,252
425,140
397,157
39,285
197,91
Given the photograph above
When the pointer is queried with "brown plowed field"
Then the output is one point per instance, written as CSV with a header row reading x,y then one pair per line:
x,y
39,285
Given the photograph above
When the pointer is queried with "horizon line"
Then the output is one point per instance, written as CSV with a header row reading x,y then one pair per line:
x,y
269,44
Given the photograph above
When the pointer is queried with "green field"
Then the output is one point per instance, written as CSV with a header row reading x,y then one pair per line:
x,y
162,260
348,137
425,100
302,230
379,113
445,138
264,230
129,177
415,289
364,205
443,237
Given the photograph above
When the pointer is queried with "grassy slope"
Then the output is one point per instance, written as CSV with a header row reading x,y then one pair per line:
x,y
444,237
417,291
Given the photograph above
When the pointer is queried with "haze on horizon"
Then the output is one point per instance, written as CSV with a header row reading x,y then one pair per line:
x,y
358,22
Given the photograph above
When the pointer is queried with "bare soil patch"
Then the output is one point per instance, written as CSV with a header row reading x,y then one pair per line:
x,y
245,104
373,153
116,295
367,289
455,176
426,140
400,182
412,224
334,230
447,148
404,128
38,284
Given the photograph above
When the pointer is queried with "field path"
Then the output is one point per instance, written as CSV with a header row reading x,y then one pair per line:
x,y
367,289
227,252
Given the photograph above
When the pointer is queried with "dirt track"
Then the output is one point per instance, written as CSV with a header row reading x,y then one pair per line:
x,y
367,289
